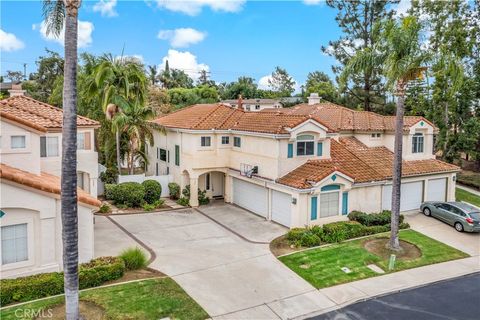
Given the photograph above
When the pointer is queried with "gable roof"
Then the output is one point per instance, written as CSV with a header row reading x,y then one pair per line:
x,y
362,163
222,117
340,118
37,115
43,182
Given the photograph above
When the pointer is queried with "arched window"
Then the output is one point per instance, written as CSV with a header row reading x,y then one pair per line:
x,y
305,145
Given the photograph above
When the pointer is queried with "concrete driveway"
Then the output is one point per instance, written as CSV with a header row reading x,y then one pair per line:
x,y
438,230
226,267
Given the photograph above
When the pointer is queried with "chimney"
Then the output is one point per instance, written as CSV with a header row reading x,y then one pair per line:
x,y
314,98
240,102
16,90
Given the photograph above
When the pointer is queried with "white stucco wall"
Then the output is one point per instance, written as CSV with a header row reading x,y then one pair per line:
x,y
42,214
26,159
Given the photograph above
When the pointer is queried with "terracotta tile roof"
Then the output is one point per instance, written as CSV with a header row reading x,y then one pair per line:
x,y
37,115
362,163
44,182
340,118
221,117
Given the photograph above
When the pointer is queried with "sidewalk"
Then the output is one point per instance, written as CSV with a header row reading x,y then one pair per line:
x,y
471,190
351,292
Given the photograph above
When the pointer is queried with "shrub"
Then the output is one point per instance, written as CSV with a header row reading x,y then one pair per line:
x,y
174,190
134,258
153,191
104,208
183,201
109,191
295,234
130,194
159,203
309,239
318,231
372,219
202,197
148,207
109,176
91,274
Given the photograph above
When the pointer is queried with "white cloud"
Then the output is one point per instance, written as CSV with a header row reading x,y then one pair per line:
x,y
85,29
137,57
184,61
182,37
194,7
9,42
106,8
312,2
402,7
264,85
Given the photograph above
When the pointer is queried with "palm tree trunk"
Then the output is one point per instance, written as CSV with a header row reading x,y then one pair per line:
x,y
117,142
397,172
69,164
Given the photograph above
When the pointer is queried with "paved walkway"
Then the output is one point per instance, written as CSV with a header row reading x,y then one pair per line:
x,y
233,277
471,190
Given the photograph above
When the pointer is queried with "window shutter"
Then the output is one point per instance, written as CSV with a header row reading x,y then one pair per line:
x,y
43,147
319,149
177,155
87,144
290,150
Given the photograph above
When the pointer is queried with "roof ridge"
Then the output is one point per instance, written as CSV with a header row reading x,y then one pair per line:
x,y
218,106
233,111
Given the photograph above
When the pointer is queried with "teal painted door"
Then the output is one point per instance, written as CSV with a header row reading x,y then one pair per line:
x,y
345,203
313,208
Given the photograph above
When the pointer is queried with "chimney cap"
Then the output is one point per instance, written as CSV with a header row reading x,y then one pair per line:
x,y
16,90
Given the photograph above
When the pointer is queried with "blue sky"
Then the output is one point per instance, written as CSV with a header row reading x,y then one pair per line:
x,y
228,38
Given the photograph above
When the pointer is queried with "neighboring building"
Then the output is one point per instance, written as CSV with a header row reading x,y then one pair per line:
x,y
299,165
30,149
254,104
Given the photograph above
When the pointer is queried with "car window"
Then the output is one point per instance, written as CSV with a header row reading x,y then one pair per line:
x,y
444,206
475,215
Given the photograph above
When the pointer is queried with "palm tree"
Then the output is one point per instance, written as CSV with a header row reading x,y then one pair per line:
x,y
400,57
132,123
152,74
117,80
59,14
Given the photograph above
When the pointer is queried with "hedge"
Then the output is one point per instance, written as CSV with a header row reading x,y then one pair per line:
x,y
91,274
153,191
373,219
130,194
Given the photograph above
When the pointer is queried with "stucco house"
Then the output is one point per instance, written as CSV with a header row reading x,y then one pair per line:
x,y
299,166
254,105
30,151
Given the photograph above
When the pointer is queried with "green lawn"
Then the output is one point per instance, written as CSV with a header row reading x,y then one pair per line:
x,y
147,299
324,263
463,195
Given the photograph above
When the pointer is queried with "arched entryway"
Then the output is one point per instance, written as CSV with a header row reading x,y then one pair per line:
x,y
213,182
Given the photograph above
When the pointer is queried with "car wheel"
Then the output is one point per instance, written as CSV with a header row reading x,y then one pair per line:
x,y
427,212
458,226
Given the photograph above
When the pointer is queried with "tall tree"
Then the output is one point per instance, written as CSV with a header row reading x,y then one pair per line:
x,y
14,76
356,20
402,60
153,74
281,82
244,86
49,68
64,15
319,82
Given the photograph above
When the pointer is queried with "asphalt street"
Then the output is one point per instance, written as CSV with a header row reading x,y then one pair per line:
x,y
456,299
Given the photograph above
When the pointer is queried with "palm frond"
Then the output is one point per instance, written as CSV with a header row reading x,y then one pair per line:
x,y
54,16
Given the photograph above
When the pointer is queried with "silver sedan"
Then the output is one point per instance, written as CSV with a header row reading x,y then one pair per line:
x,y
461,216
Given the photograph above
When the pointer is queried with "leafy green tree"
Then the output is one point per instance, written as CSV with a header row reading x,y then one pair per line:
x,y
59,15
356,19
181,97
49,68
153,74
244,86
14,76
319,82
180,79
159,100
281,82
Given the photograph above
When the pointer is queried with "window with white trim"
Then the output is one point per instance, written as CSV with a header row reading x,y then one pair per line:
x,y
18,142
237,142
205,141
48,147
305,145
417,143
225,140
14,243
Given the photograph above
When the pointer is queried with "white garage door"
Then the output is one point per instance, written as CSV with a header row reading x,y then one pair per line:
x,y
250,196
281,208
437,189
411,196
329,204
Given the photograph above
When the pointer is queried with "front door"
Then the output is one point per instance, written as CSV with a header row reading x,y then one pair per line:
x,y
217,179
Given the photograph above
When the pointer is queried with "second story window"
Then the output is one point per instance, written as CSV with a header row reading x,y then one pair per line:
x,y
18,142
305,145
417,143
257,107
162,154
225,140
48,147
205,141
237,142
83,141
